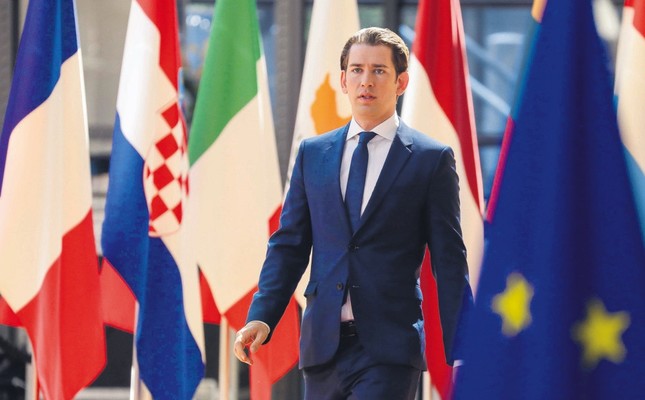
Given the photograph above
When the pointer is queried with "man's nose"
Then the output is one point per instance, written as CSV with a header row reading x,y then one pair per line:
x,y
366,81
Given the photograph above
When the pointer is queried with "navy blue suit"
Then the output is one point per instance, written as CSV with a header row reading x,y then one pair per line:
x,y
415,204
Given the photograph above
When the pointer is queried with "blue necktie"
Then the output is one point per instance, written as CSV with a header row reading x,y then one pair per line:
x,y
356,179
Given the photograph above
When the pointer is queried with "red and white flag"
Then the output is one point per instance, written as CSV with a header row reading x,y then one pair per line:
x,y
48,266
438,102
630,93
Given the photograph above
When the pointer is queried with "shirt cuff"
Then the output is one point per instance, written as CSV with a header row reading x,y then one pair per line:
x,y
263,323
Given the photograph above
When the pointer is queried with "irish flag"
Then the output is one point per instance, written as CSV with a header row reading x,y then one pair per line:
x,y
235,187
630,94
438,102
48,266
322,106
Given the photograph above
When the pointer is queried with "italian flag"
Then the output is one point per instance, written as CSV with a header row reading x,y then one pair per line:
x,y
234,178
438,102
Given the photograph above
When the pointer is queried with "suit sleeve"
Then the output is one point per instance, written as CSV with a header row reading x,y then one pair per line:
x,y
447,249
288,253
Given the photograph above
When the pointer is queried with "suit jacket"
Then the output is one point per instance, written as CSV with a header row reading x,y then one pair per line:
x,y
415,204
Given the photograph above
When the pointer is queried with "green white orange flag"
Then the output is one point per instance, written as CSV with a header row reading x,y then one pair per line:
x,y
322,106
235,186
438,102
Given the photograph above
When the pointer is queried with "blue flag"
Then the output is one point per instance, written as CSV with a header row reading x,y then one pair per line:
x,y
560,312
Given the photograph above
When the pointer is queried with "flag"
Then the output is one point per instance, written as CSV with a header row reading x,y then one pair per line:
x,y
534,27
630,94
48,264
7,316
438,102
235,180
144,236
322,105
560,307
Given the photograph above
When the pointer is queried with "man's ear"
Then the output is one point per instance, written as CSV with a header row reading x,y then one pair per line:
x,y
343,81
402,82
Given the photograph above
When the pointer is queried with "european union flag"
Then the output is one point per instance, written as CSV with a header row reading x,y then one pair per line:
x,y
560,312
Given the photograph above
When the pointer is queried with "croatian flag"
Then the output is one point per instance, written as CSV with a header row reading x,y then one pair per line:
x,y
144,237
48,267
630,94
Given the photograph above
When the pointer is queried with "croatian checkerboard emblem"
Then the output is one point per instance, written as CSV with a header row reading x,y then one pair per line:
x,y
165,174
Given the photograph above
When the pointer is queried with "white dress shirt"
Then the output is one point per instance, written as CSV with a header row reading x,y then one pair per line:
x,y
377,149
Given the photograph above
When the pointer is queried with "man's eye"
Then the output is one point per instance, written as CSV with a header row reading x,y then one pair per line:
x,y
378,71
356,70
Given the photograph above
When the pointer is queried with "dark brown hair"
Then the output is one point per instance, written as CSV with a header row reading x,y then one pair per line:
x,y
379,36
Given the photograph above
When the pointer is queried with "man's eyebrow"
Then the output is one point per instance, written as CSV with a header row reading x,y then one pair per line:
x,y
371,65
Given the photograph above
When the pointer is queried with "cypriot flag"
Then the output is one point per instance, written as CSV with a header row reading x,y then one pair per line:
x,y
322,105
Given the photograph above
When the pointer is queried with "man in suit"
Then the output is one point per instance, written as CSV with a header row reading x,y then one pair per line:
x,y
367,198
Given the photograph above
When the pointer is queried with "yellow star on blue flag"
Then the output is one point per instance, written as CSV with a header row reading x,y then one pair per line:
x,y
560,306
513,304
600,334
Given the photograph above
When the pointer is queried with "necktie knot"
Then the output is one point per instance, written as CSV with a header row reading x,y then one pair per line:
x,y
365,137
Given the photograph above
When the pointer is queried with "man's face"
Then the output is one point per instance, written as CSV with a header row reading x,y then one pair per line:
x,y
371,83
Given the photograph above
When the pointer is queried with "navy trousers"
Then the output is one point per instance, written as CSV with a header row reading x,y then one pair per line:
x,y
353,375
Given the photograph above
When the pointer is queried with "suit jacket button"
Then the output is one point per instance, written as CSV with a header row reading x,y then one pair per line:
x,y
339,286
353,247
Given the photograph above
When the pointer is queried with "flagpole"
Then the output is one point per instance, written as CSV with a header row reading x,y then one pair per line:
x,y
134,373
224,363
138,390
234,368
31,377
427,386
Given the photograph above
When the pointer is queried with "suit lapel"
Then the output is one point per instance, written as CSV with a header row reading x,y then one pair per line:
x,y
396,159
333,155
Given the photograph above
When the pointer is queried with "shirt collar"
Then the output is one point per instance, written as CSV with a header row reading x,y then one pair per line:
x,y
386,129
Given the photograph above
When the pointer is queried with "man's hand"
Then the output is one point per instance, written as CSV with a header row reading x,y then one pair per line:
x,y
252,335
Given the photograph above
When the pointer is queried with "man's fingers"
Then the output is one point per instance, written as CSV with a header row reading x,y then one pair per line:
x,y
260,337
253,334
238,348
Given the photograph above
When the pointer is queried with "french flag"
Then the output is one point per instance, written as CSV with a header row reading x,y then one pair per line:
x,y
144,235
49,274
